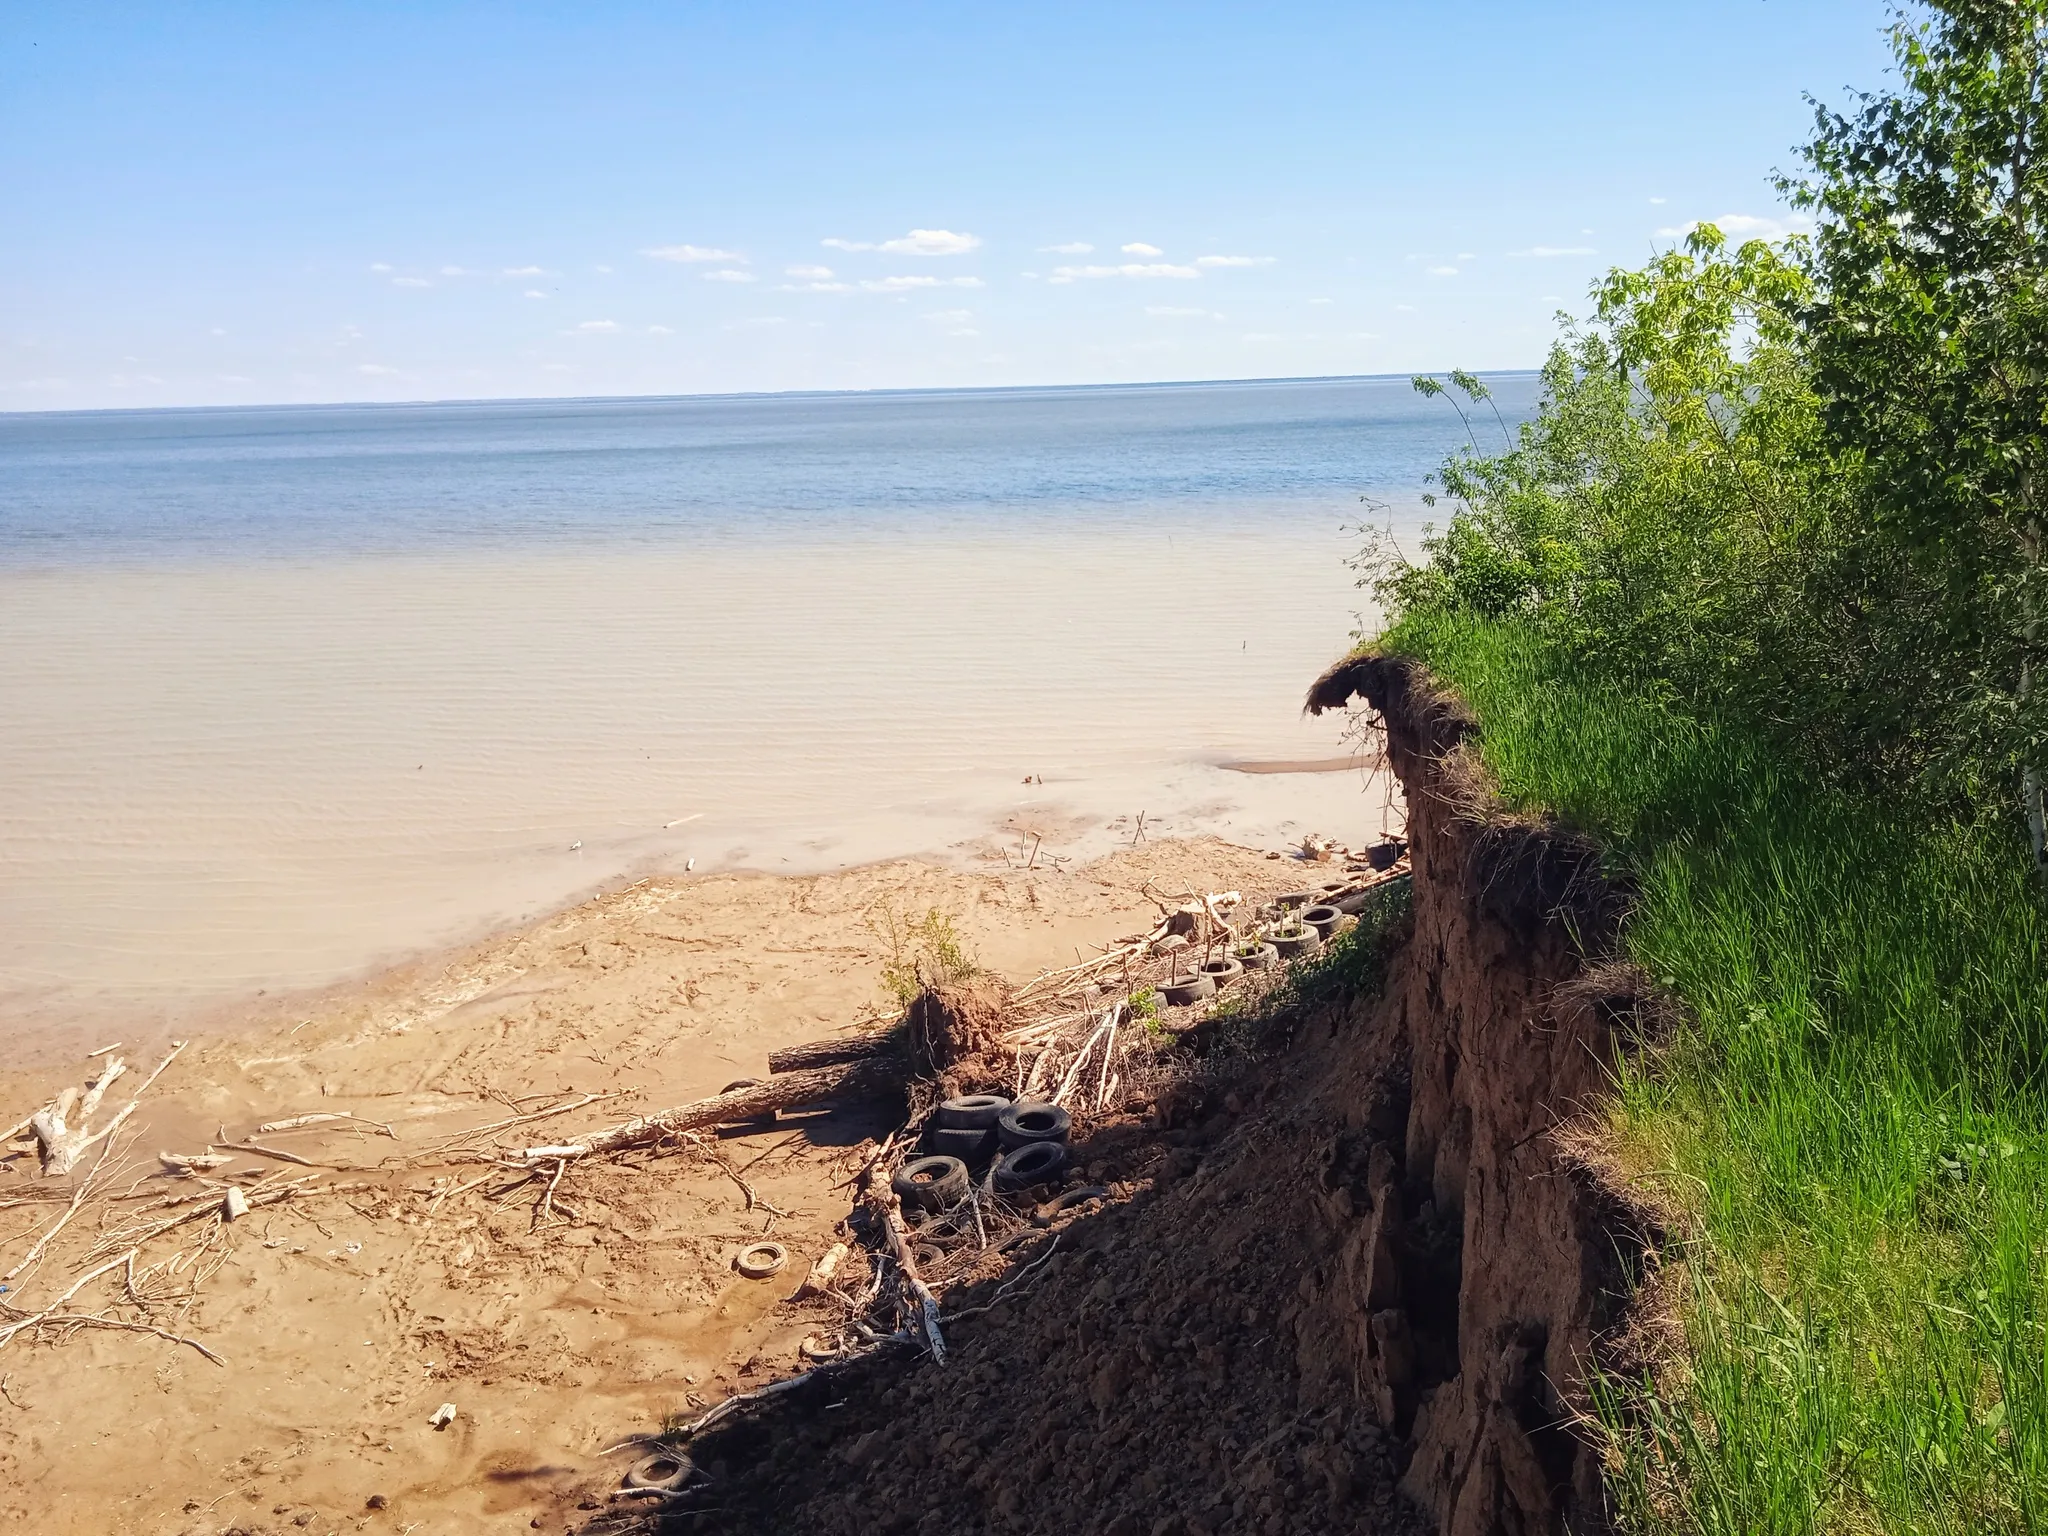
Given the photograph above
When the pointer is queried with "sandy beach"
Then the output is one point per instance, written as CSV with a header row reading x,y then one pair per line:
x,y
400,1278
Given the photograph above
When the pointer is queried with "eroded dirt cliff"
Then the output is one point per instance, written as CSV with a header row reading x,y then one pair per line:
x,y
1356,1281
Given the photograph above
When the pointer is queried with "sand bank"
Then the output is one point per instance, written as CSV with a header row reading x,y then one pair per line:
x,y
344,1319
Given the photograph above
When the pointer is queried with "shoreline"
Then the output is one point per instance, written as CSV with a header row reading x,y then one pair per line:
x,y
348,1317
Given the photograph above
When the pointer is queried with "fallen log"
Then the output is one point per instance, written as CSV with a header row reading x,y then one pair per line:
x,y
832,1053
793,1090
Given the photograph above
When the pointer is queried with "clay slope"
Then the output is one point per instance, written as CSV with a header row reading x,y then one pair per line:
x,y
1367,1266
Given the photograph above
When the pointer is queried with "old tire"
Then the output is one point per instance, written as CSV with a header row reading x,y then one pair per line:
x,y
1035,1162
1021,1124
971,1112
970,1146
1187,990
1324,919
666,1471
1263,958
757,1261
1296,946
931,1183
1223,972
1288,899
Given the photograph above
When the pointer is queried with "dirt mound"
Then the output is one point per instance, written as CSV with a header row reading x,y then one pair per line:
x,y
1137,1371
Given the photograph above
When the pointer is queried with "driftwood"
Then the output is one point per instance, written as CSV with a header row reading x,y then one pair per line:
x,y
880,1195
793,1090
64,1128
832,1053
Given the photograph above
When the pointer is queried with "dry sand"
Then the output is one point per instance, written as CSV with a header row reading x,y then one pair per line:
x,y
345,1318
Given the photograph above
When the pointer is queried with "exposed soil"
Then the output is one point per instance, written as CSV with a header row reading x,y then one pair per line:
x,y
1356,1287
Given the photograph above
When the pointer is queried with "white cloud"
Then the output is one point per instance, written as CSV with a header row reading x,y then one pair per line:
x,y
951,316
807,271
1128,269
410,282
1545,251
535,293
1465,256
817,287
380,266
217,331
594,328
1442,271
1071,248
919,242
1743,226
600,267
689,253
1140,248
1404,309
1322,301
964,331
525,272
1181,309
904,284
453,272
728,275
659,330
758,320
374,369
1233,261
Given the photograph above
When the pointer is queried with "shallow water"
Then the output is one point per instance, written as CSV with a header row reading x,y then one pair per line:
x,y
294,693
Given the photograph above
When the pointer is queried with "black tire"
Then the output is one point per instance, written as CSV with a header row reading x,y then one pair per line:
x,y
1023,1123
1224,971
1288,899
931,1183
665,1470
1036,1162
928,1255
1324,919
1187,990
1385,855
970,1146
972,1112
1296,946
1264,958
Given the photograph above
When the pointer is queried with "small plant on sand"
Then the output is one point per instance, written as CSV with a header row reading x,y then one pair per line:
x,y
925,953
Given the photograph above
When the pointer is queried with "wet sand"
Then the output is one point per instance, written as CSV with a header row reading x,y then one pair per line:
x,y
345,1318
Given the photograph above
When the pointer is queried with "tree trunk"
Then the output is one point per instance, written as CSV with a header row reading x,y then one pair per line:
x,y
828,1053
861,1079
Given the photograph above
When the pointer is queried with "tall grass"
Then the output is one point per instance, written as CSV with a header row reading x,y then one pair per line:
x,y
1853,1129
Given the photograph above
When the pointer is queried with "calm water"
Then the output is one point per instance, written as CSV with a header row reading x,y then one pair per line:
x,y
296,691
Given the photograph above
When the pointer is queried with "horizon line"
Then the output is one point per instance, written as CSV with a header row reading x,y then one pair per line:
x,y
753,394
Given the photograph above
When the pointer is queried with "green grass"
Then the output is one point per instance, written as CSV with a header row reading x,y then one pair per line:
x,y
1853,1127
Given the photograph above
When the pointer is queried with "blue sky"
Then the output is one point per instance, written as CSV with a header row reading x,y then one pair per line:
x,y
213,203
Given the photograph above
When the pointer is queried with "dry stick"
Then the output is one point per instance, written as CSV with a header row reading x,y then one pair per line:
x,y
883,1198
8,1332
791,1091
732,1173
111,1322
559,1109
269,1196
301,1122
77,1200
1107,1027
263,1151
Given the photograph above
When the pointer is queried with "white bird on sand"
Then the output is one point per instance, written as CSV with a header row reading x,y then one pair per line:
x,y
575,845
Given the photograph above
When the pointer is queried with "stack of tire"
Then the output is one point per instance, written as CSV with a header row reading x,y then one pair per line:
x,y
1027,1143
